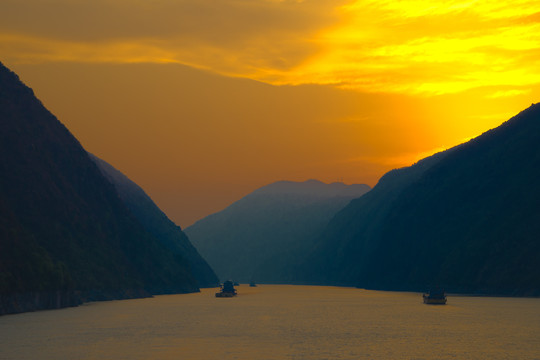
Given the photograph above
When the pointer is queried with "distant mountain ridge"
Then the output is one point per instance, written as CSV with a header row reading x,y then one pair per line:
x,y
157,223
65,235
313,187
467,219
263,235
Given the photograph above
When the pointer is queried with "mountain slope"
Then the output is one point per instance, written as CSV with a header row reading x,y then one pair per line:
x,y
66,236
263,235
467,219
157,223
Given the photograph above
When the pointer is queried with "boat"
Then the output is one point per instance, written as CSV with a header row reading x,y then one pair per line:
x,y
435,297
226,290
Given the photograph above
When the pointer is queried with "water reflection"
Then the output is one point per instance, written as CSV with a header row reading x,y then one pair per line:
x,y
279,322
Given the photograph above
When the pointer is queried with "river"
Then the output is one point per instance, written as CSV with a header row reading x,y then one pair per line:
x,y
279,322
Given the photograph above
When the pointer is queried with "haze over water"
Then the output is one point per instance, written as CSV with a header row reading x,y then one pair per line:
x,y
279,322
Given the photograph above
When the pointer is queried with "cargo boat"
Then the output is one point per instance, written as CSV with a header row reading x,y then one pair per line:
x,y
435,297
227,290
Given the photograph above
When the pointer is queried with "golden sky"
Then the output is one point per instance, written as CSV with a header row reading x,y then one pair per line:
x,y
202,101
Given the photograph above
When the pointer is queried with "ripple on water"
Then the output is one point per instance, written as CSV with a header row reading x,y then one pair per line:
x,y
279,322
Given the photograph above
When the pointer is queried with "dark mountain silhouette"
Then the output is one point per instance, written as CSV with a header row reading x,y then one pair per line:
x,y
65,235
157,223
467,219
263,235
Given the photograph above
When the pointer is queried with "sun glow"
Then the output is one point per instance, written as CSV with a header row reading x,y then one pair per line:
x,y
427,48
411,47
289,89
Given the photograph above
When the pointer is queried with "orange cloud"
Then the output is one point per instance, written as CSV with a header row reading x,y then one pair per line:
x,y
427,48
411,47
381,83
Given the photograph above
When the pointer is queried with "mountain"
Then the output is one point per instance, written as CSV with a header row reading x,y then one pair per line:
x,y
157,223
466,219
263,235
65,235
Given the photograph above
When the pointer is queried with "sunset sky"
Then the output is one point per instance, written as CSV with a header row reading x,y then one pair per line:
x,y
202,101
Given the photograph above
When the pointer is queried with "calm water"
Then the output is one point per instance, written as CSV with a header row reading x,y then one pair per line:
x,y
279,322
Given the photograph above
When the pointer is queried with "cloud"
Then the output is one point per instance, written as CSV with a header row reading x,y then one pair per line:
x,y
30,49
443,47
408,47
398,161
508,93
256,39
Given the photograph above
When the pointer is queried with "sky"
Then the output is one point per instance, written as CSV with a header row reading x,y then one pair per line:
x,y
201,102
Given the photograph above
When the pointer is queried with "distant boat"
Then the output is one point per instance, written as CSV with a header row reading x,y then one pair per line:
x,y
252,284
435,297
227,290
